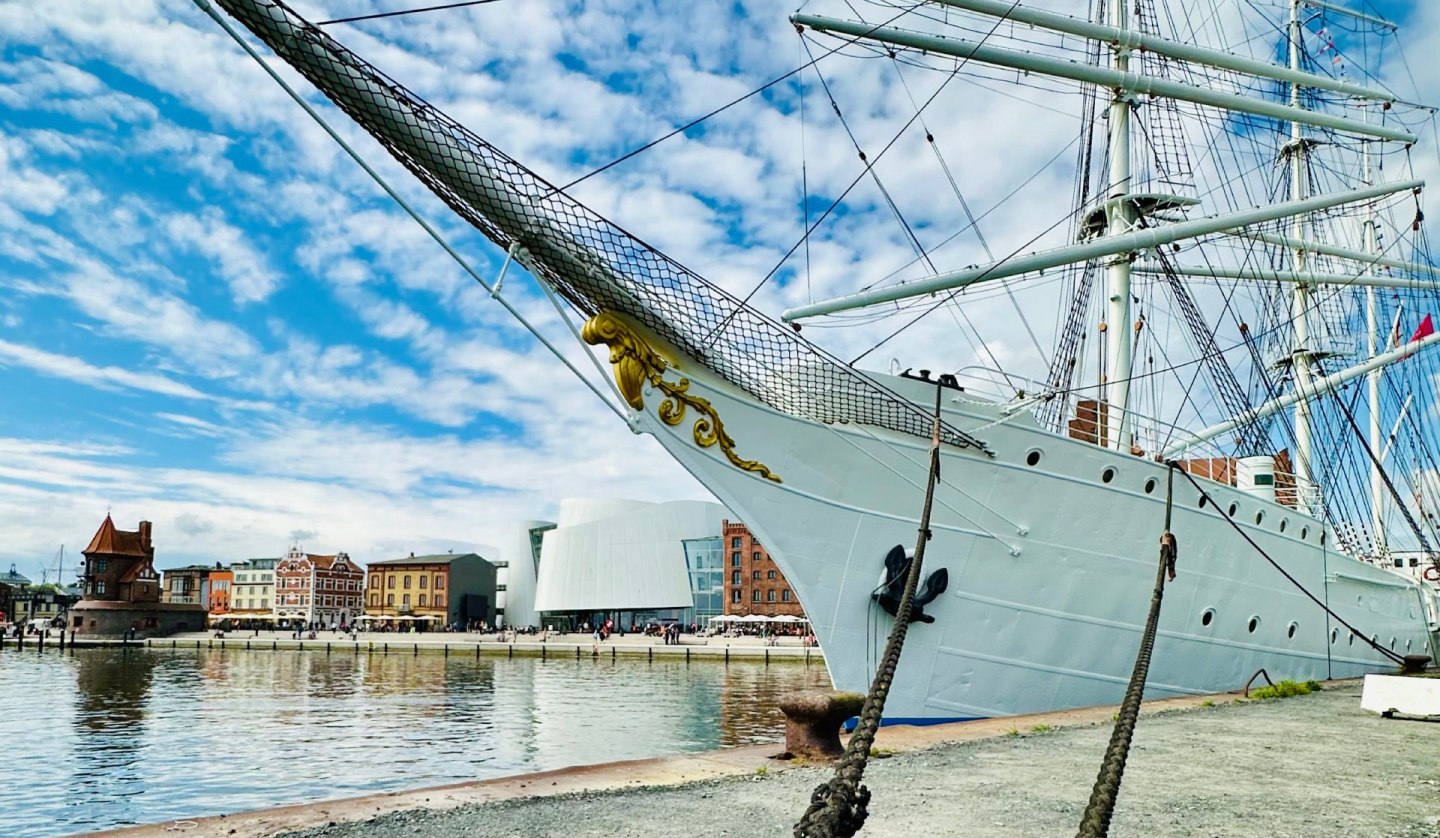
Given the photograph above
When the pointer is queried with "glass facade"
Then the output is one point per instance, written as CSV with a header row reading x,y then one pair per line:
x,y
705,562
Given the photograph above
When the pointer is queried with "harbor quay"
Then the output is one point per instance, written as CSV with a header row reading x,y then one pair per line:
x,y
1314,765
544,645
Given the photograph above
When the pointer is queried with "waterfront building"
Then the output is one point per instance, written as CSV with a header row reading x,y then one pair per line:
x,y
43,603
754,585
252,588
446,589
222,580
120,590
520,556
313,589
621,559
12,585
189,585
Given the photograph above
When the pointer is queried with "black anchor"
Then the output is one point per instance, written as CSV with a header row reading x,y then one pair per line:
x,y
897,565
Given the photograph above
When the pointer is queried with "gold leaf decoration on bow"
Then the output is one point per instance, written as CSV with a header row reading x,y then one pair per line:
x,y
635,363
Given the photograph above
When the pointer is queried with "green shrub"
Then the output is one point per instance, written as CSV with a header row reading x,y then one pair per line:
x,y
1285,689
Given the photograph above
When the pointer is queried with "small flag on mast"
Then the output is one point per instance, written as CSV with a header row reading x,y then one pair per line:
x,y
1424,330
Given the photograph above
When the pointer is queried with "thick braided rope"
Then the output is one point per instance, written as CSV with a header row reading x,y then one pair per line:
x,y
838,808
1095,822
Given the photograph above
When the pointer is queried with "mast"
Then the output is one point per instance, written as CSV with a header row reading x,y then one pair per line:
x,y
1115,377
1301,355
1377,483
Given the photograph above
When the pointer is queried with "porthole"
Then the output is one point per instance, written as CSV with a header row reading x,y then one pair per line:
x,y
1352,638
1284,522
1234,507
1107,475
1208,617
1290,630
1334,636
1407,644
1253,624
1393,641
1259,517
1360,602
1150,486
1304,531
1202,501
1033,458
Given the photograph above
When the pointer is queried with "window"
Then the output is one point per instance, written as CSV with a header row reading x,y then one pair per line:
x,y
770,574
439,582
735,595
405,599
101,565
755,575
785,595
735,543
100,587
422,596
406,586
264,603
735,577
391,582
389,599
755,595
735,560
770,595
439,601
755,556
424,580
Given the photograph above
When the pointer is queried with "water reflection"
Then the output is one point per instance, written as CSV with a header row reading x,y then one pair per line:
x,y
108,737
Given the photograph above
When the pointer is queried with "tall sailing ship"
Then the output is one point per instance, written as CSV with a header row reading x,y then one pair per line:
x,y
1239,295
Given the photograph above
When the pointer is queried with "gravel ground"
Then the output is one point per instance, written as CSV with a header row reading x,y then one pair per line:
x,y
1308,766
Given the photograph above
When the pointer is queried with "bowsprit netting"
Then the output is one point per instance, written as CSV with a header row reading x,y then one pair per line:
x,y
590,261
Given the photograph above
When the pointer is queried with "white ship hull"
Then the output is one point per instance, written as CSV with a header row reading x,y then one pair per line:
x,y
1051,568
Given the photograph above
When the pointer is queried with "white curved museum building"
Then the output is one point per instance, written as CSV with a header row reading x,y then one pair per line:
x,y
606,555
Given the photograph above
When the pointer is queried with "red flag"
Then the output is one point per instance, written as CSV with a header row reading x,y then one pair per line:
x,y
1425,329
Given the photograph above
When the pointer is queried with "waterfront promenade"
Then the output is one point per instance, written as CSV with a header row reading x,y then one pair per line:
x,y
1314,765
571,645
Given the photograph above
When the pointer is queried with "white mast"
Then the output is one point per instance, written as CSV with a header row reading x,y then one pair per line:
x,y
1377,484
1300,356
1115,378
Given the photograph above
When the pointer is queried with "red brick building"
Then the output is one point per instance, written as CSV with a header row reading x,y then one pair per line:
x,y
753,584
120,590
120,565
318,590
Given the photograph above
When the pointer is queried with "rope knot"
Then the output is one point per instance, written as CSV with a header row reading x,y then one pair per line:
x,y
1169,549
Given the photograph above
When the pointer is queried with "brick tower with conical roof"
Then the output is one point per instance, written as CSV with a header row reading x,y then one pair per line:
x,y
120,565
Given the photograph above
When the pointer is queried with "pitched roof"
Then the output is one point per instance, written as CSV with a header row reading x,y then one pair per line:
x,y
439,558
109,541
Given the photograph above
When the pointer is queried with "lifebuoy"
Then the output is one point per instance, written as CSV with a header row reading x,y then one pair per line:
x,y
1432,573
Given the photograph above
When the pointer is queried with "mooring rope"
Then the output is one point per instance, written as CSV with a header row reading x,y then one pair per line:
x,y
1095,822
838,808
1392,655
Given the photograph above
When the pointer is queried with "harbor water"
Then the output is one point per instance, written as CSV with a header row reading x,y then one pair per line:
x,y
106,737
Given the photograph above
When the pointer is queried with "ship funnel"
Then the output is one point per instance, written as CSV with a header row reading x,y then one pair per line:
x,y
1256,476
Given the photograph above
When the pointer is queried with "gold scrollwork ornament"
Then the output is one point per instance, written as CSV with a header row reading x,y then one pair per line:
x,y
635,363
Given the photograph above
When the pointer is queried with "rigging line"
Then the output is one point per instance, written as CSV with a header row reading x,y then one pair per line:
x,y
1293,581
870,168
828,210
805,187
692,123
970,216
411,211
956,292
379,15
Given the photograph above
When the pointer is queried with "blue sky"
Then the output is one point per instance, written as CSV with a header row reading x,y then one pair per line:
x,y
210,319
